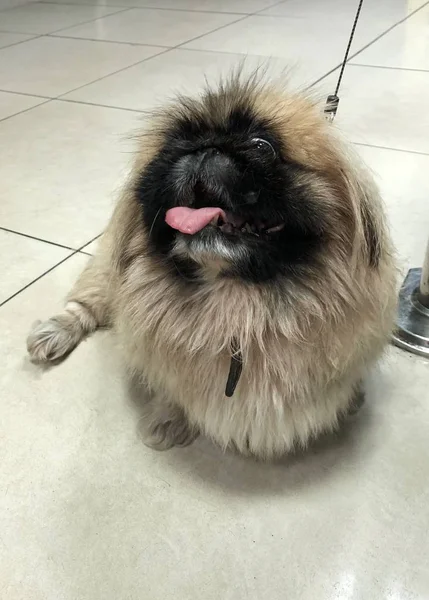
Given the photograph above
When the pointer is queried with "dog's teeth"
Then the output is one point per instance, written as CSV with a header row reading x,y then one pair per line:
x,y
247,228
275,228
215,220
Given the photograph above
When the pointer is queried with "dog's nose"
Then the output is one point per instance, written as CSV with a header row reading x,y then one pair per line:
x,y
251,198
216,166
214,176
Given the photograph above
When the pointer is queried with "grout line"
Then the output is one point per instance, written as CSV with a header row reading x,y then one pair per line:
x,y
37,278
389,68
27,94
243,18
32,237
112,14
133,6
24,4
82,248
394,149
4,10
215,51
20,112
88,39
73,253
19,32
34,37
46,33
322,77
261,10
85,102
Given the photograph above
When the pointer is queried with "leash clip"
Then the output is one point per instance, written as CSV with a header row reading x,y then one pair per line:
x,y
331,107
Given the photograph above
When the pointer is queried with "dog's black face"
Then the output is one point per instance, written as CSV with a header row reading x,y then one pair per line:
x,y
265,219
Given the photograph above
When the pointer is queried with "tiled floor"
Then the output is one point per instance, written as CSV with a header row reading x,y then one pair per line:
x,y
86,511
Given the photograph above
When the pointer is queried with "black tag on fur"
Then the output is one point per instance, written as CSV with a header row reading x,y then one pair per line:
x,y
234,371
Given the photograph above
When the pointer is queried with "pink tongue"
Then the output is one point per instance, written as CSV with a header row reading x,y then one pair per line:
x,y
191,220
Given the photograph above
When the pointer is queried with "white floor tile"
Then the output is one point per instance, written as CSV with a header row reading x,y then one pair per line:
x,y
233,6
11,104
183,71
404,184
406,46
385,107
52,66
375,18
8,39
72,159
46,18
299,33
22,260
295,40
6,4
227,6
147,26
390,12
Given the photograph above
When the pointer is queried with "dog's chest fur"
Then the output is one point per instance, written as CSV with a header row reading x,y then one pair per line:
x,y
179,338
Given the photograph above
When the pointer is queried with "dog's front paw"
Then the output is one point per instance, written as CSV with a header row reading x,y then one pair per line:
x,y
48,341
54,339
51,340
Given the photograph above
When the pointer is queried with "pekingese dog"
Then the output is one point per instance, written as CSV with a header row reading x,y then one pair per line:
x,y
247,269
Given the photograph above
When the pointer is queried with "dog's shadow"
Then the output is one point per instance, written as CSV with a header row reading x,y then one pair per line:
x,y
324,459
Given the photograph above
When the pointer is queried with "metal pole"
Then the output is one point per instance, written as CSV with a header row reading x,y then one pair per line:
x,y
424,281
412,323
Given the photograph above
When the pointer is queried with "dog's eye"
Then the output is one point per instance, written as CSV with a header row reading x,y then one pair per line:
x,y
263,146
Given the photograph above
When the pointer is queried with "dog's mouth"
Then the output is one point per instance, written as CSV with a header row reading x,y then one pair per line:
x,y
193,220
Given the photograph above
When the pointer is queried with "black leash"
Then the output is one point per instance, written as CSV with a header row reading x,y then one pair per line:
x,y
235,369
333,100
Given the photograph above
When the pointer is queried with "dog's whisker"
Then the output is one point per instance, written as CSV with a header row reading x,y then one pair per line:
x,y
153,222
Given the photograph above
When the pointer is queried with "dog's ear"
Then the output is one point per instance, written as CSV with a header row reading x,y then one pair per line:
x,y
358,207
371,234
370,226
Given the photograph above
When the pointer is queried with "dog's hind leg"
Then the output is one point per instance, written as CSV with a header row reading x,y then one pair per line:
x,y
357,401
87,308
164,425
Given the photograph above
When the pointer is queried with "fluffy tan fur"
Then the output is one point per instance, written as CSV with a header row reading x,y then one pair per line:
x,y
306,342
